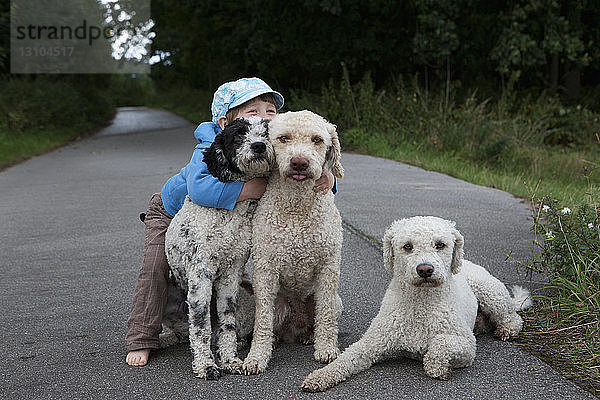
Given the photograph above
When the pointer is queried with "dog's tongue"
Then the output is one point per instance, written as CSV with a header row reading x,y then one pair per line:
x,y
299,177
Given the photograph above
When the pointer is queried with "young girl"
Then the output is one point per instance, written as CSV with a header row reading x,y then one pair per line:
x,y
242,98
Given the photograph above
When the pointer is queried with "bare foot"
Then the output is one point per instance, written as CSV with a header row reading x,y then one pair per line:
x,y
138,358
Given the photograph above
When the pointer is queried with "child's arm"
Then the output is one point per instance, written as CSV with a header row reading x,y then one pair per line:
x,y
206,190
325,183
253,189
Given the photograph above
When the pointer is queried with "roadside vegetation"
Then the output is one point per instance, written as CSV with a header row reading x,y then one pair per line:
x,y
41,113
564,327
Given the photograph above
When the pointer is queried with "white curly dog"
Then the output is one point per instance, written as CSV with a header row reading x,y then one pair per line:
x,y
430,307
207,249
297,235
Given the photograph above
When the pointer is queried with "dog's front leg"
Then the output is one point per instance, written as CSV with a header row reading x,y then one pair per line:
x,y
377,341
198,298
447,351
226,289
326,326
265,282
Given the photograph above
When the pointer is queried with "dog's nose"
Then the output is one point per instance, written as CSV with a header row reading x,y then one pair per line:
x,y
299,163
258,147
425,270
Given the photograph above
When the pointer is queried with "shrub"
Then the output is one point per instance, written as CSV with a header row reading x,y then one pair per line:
x,y
27,103
568,252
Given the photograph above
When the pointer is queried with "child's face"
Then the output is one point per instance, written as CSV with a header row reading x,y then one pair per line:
x,y
259,108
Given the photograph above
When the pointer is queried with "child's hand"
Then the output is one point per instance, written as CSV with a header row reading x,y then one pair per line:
x,y
253,189
325,182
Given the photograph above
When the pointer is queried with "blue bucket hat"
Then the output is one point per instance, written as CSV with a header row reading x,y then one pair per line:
x,y
233,94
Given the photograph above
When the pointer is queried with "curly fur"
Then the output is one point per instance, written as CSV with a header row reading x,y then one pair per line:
x,y
429,309
207,249
297,236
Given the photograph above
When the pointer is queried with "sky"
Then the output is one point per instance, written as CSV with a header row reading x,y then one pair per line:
x,y
132,43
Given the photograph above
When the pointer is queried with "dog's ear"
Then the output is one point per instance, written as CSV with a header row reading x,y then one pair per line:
x,y
457,253
334,153
219,157
388,249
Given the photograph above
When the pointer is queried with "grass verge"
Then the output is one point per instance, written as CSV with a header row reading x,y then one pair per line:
x,y
39,113
568,349
564,327
19,147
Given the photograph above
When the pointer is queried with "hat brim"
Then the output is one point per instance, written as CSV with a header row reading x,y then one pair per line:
x,y
279,101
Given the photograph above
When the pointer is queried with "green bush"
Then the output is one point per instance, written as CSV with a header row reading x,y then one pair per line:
x,y
193,104
131,90
40,112
35,103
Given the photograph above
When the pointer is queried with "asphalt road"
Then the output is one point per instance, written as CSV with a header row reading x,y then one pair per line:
x,y
71,246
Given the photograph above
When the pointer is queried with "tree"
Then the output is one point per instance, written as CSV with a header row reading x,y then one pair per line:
x,y
536,34
436,38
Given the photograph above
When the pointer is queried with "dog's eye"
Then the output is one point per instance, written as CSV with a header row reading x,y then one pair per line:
x,y
408,247
317,140
283,139
440,245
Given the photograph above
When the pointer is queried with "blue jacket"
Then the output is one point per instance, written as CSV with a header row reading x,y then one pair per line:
x,y
195,180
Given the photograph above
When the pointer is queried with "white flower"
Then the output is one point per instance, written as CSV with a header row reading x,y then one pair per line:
x,y
549,235
591,226
565,211
545,208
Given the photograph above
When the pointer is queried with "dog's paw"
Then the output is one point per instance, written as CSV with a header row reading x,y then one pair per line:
x,y
253,366
232,366
327,355
437,369
306,337
440,372
510,329
316,381
167,340
209,372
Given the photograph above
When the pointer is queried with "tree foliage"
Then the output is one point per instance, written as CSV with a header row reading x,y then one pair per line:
x,y
302,44
535,32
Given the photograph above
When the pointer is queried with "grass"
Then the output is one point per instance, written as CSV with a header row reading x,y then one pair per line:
x,y
39,113
569,349
18,147
564,327
30,124
572,188
195,105
503,143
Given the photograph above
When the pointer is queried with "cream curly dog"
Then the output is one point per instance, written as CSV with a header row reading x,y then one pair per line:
x,y
297,235
207,249
430,307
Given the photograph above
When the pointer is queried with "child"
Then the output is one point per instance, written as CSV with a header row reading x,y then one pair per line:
x,y
242,98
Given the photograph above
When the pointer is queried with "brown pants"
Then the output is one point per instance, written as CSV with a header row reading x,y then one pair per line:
x,y
150,295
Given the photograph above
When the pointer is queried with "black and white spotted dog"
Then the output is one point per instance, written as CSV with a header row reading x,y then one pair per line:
x,y
207,249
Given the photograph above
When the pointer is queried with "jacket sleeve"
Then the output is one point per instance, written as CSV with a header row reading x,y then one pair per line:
x,y
206,190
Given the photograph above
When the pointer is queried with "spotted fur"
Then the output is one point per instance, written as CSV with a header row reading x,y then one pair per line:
x,y
207,249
